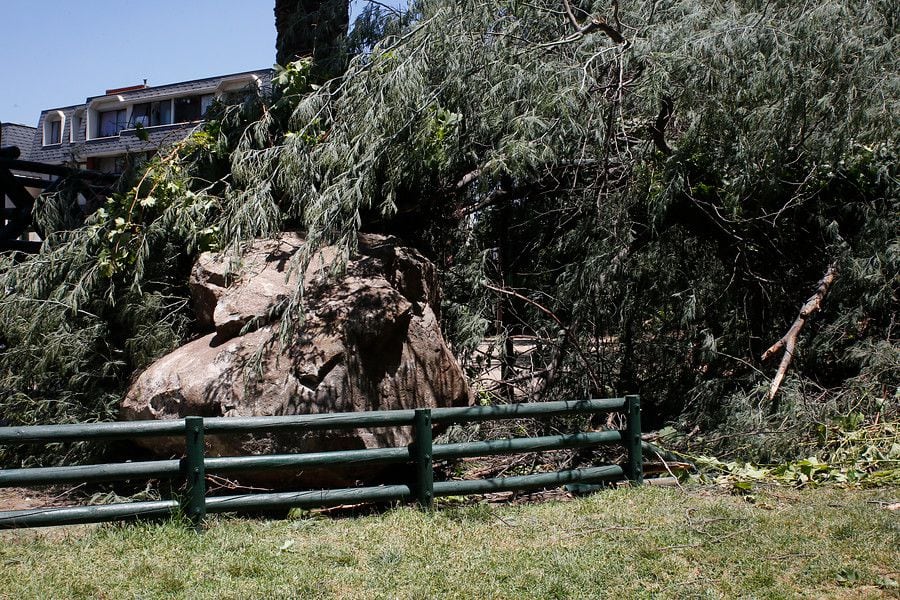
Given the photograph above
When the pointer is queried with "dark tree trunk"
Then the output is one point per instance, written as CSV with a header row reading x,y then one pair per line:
x,y
312,28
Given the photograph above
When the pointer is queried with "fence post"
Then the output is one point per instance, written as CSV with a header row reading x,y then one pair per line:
x,y
194,504
422,454
635,467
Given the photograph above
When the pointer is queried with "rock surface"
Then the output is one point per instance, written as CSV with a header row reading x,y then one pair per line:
x,y
370,341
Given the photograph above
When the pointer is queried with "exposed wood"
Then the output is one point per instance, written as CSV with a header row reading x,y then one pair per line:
x,y
468,178
490,199
789,341
571,15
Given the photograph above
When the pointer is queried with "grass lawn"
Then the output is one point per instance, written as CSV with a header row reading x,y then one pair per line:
x,y
626,543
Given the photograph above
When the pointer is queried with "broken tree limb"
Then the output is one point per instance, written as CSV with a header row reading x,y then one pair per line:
x,y
789,341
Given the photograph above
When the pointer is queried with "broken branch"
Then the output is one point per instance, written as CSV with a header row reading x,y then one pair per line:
x,y
789,341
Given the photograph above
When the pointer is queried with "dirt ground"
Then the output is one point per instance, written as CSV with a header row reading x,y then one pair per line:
x,y
25,498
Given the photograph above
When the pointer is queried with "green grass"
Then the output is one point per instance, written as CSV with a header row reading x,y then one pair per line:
x,y
627,543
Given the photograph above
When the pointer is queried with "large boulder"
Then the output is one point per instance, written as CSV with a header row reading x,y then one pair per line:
x,y
370,340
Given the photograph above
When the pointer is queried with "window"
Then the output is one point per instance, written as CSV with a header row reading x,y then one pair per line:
x,y
112,122
187,109
140,115
205,101
109,164
55,132
161,113
54,123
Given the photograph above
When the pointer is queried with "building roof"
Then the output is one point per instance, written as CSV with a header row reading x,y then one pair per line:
x,y
78,143
181,87
13,134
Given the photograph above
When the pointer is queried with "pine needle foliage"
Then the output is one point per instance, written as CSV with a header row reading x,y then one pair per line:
x,y
649,189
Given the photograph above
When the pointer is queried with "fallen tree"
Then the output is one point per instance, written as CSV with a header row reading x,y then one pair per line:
x,y
659,181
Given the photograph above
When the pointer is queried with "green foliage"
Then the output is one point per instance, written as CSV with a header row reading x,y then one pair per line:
x,y
106,298
848,453
293,79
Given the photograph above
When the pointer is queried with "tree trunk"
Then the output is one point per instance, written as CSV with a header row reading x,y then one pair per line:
x,y
313,28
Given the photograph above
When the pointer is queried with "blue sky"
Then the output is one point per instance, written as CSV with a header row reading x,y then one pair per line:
x,y
58,52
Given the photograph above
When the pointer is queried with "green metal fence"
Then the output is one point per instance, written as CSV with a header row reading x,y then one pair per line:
x,y
420,455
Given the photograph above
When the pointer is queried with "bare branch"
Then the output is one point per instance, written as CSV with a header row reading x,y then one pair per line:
x,y
789,341
571,15
590,26
468,178
392,9
566,332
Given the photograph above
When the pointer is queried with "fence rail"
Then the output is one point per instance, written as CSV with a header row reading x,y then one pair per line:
x,y
420,455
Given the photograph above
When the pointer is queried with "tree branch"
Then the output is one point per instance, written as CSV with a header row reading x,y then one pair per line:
x,y
658,129
571,15
590,26
392,9
468,178
565,330
464,211
789,341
